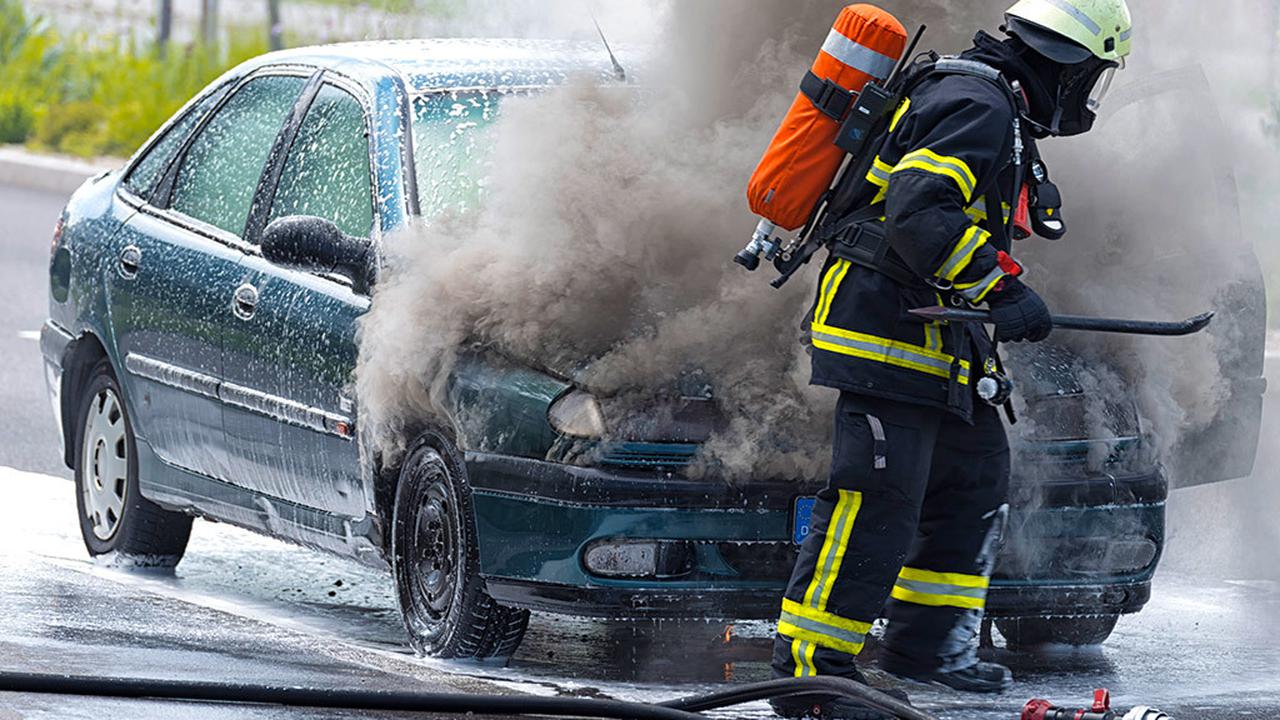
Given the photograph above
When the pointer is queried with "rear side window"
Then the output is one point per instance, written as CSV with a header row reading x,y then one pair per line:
x,y
151,166
220,171
327,171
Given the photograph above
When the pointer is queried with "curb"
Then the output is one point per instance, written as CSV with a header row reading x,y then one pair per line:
x,y
47,172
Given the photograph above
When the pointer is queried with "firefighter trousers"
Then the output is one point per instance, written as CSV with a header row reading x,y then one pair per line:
x,y
912,514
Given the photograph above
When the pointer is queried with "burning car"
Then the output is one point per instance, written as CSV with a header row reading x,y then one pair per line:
x,y
204,301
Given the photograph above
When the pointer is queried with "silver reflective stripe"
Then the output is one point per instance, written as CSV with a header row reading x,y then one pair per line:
x,y
831,556
979,207
1078,14
802,650
879,174
961,172
974,294
962,252
1126,34
831,631
886,351
960,66
859,57
877,433
928,588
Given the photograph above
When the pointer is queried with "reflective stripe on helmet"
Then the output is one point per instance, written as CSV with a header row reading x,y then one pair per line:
x,y
858,57
1076,13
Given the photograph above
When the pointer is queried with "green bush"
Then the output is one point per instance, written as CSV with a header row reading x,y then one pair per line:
x,y
104,97
17,118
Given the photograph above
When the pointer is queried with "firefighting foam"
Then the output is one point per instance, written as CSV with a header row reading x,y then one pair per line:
x,y
609,222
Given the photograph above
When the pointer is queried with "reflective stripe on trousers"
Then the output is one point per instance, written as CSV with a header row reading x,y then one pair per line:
x,y
925,587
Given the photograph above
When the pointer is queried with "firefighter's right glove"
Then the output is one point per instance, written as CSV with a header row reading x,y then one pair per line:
x,y
1019,314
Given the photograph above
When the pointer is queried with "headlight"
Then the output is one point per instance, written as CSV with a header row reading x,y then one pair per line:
x,y
578,414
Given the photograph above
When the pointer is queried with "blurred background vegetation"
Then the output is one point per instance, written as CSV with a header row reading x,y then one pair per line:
x,y
97,78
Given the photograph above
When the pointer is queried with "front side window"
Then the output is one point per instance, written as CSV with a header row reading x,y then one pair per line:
x,y
220,172
326,173
150,167
452,142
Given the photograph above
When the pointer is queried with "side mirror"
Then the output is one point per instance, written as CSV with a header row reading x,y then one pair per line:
x,y
312,244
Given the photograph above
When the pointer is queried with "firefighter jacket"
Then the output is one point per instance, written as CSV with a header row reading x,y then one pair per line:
x,y
947,157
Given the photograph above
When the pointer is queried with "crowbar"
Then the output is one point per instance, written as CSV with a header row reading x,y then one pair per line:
x,y
1190,326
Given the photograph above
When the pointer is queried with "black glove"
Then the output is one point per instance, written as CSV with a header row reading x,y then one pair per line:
x,y
1019,314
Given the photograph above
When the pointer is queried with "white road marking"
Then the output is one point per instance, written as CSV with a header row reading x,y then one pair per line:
x,y
29,334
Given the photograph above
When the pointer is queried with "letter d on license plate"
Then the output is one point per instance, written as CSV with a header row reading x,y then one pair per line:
x,y
802,518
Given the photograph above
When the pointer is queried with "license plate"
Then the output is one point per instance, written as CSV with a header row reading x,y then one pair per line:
x,y
802,518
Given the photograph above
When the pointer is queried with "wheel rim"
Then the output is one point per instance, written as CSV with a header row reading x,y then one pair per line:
x,y
435,547
104,467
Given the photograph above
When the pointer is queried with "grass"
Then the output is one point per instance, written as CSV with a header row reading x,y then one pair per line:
x,y
69,95
437,8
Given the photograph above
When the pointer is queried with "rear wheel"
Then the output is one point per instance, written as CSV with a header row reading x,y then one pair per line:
x,y
1022,633
115,520
446,610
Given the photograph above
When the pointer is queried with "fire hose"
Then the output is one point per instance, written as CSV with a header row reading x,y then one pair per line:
x,y
688,708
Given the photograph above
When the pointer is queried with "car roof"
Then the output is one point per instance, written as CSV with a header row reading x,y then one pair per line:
x,y
438,64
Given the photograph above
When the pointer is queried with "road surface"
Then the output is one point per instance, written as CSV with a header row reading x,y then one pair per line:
x,y
242,607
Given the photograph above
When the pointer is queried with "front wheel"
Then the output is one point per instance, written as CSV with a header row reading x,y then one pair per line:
x,y
446,610
116,522
1022,633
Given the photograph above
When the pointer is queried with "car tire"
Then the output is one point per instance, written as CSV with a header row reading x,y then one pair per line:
x,y
443,602
116,521
1023,633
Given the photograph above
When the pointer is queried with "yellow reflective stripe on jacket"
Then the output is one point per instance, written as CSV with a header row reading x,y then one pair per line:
x,y
978,210
933,336
924,587
933,331
975,292
830,282
961,255
952,167
890,352
821,628
879,173
897,116
839,528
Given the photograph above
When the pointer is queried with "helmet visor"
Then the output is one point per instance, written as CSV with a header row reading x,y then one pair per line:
x,y
1102,86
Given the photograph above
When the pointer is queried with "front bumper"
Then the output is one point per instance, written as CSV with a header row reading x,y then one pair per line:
x,y
536,521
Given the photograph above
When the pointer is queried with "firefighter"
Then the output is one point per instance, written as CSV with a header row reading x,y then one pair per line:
x,y
909,523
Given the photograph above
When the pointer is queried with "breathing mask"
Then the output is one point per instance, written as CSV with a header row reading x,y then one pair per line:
x,y
1082,88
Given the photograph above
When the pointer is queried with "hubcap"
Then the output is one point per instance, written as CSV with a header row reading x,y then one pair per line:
x,y
104,468
435,548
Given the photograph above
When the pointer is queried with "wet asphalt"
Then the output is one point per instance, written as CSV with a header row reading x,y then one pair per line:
x,y
246,608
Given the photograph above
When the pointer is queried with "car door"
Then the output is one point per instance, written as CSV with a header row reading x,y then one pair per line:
x,y
295,387
173,279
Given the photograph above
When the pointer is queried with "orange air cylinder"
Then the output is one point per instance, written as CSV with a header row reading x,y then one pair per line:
x,y
802,160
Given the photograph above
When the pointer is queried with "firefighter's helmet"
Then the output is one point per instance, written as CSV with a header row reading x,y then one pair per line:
x,y
1070,31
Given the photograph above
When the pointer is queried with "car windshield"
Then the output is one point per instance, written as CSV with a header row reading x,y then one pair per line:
x,y
452,134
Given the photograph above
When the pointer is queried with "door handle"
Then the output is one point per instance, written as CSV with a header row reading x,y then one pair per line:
x,y
129,261
245,302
